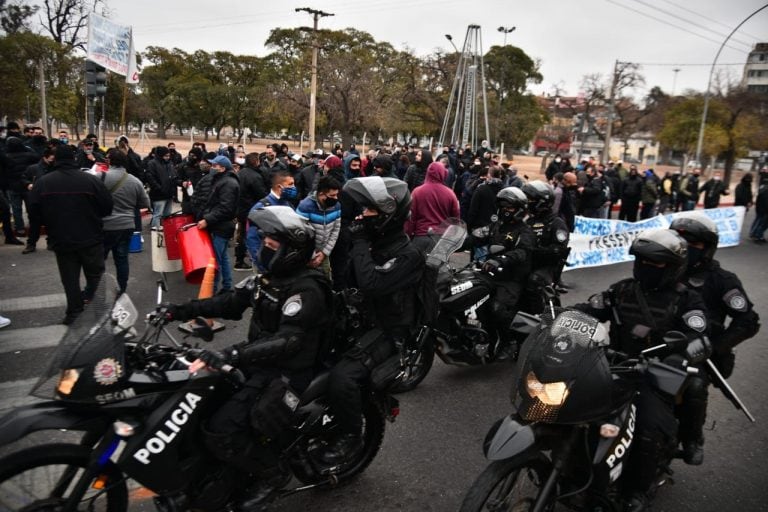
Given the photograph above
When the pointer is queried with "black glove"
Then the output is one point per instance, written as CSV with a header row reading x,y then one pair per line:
x,y
164,313
698,350
357,230
491,266
213,358
725,361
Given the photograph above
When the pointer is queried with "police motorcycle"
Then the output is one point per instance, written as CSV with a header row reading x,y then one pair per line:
x,y
140,414
567,440
462,333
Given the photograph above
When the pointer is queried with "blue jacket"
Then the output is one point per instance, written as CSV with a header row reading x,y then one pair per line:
x,y
252,238
327,223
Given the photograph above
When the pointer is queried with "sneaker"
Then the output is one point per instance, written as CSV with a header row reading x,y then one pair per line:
x,y
344,447
13,241
4,322
28,249
242,266
756,240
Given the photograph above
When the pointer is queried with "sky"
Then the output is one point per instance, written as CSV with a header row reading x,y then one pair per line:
x,y
569,38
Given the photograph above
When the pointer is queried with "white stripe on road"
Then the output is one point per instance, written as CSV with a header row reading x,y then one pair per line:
x,y
53,300
14,340
16,392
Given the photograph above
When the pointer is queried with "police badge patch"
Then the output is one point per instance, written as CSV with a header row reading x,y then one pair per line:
x,y
736,300
292,306
561,236
695,320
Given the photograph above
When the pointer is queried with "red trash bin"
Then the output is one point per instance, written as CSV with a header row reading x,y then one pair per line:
x,y
196,251
171,225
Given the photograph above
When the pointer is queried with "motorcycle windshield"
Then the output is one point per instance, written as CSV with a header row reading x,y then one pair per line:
x,y
452,233
89,359
563,375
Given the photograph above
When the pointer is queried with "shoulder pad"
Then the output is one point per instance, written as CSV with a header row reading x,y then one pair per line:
x,y
696,320
386,266
736,300
249,283
292,305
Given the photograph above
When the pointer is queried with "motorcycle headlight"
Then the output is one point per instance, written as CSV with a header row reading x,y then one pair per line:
x,y
552,394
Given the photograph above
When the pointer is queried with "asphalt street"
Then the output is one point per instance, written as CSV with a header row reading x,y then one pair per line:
x,y
432,453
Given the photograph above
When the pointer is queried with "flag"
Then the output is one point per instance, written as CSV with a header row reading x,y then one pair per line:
x,y
132,77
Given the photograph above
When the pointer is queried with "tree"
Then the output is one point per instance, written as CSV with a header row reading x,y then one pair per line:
x,y
66,20
15,17
681,126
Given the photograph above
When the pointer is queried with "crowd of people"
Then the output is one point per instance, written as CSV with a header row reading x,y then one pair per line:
x,y
304,224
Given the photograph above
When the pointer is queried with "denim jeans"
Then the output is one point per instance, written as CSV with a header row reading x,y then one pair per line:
x,y
224,275
16,201
759,225
160,208
118,242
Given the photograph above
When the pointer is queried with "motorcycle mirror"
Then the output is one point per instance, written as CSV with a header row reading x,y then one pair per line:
x,y
201,329
675,340
496,249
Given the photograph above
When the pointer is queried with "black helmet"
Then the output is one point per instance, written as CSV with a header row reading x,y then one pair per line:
x,y
295,234
697,227
511,198
541,196
661,256
388,196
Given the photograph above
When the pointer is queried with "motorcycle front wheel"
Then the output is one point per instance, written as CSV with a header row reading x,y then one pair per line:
x,y
42,478
416,369
508,485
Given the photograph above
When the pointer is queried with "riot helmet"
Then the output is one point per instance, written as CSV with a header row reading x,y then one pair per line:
x,y
512,204
697,228
541,197
661,256
388,196
295,234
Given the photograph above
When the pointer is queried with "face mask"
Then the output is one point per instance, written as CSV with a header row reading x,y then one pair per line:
x,y
371,225
695,256
204,166
558,160
240,161
649,276
64,140
289,193
717,178
88,151
330,202
507,216
265,256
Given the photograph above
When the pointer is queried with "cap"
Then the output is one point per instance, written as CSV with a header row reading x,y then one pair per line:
x,y
296,157
318,152
222,161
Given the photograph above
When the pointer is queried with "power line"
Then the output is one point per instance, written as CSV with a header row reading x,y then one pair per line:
x,y
673,25
708,18
677,17
689,64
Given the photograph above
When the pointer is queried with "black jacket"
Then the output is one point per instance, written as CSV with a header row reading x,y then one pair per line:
x,y
289,319
417,173
592,195
17,158
71,204
552,235
713,189
519,243
483,204
631,188
162,179
252,188
35,172
221,208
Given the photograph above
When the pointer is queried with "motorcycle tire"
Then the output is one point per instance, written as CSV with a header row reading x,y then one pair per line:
x,y
511,484
373,435
45,467
416,372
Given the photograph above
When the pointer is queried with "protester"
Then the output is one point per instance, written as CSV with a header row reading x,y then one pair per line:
x,y
323,211
431,204
713,189
162,181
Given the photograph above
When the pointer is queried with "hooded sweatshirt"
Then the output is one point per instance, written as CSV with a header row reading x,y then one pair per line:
x,y
417,172
431,203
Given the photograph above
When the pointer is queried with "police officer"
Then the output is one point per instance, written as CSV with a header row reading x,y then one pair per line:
x,y
290,311
725,297
552,235
641,310
386,268
511,265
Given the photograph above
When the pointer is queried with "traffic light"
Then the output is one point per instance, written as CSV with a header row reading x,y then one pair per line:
x,y
95,79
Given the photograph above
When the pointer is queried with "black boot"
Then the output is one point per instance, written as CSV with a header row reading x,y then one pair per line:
x,y
13,241
257,496
343,448
29,248
693,452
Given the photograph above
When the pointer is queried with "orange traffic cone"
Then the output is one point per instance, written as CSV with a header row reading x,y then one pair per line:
x,y
206,292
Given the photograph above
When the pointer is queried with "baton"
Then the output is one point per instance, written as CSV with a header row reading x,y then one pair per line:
x,y
729,393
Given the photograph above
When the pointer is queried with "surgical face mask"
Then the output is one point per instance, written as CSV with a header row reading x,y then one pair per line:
x,y
649,276
240,161
289,193
87,151
558,160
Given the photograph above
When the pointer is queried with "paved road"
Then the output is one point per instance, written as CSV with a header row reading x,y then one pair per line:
x,y
431,454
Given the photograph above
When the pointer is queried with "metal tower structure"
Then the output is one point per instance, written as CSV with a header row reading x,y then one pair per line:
x,y
461,125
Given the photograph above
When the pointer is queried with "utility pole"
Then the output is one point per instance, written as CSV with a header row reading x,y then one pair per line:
x,y
43,106
505,31
674,80
316,15
609,129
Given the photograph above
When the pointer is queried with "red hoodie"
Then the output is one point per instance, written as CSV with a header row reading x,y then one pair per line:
x,y
431,203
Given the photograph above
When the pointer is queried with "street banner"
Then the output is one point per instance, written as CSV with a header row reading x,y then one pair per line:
x,y
109,44
133,70
596,242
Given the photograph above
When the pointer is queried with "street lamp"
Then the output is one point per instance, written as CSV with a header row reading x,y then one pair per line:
x,y
450,40
700,143
505,31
